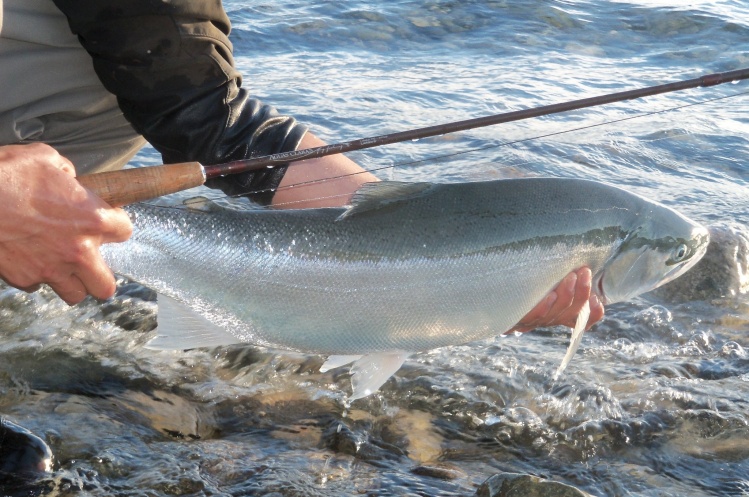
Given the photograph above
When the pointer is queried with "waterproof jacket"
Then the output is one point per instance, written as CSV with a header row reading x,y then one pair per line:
x,y
170,65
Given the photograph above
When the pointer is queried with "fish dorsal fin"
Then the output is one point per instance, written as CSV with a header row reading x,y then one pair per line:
x,y
380,194
180,327
370,372
201,204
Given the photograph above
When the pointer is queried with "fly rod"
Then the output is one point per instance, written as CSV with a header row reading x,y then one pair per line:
x,y
128,186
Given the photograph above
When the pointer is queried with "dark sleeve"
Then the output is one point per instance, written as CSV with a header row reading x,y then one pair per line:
x,y
170,65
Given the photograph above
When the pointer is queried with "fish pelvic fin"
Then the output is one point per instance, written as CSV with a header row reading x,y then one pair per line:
x,y
380,194
575,339
180,327
336,361
371,371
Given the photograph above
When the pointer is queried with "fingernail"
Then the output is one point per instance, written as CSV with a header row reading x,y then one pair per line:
x,y
571,280
585,277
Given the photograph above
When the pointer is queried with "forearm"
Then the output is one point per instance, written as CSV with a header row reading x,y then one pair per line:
x,y
323,182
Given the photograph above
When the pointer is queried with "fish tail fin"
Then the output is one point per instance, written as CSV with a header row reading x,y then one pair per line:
x,y
575,339
370,372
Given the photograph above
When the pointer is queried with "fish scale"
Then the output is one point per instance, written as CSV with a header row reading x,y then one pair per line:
x,y
407,267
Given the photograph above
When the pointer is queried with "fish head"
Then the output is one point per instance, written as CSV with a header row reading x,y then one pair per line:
x,y
663,245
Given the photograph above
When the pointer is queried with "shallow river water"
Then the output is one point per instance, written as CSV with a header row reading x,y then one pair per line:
x,y
656,402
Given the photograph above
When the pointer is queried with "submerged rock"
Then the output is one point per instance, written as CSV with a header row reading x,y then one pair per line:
x,y
722,272
441,470
517,485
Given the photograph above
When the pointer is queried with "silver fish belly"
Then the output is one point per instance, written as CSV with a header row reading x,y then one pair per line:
x,y
408,267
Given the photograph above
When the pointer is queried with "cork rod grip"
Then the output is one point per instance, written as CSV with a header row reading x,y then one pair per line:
x,y
128,186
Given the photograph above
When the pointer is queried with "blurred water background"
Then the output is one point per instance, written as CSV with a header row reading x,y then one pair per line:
x,y
654,404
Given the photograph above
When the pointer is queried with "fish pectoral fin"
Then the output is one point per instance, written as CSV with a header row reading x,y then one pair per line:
x,y
575,339
379,194
336,361
370,372
180,327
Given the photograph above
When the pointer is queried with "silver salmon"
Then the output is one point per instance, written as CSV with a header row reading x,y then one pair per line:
x,y
407,267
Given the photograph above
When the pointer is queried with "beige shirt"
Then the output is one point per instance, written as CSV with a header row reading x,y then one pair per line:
x,y
51,94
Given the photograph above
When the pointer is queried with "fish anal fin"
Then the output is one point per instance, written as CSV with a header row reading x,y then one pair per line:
x,y
381,194
180,327
336,361
575,338
370,372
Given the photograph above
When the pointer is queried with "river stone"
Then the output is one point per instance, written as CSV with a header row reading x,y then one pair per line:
x,y
22,454
441,470
167,413
722,272
518,485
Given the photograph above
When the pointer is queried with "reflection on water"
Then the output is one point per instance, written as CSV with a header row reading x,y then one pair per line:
x,y
654,403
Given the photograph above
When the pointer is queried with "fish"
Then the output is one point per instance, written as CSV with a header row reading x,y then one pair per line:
x,y
406,267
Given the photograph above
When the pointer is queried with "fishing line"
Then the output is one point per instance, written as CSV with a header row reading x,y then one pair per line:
x,y
473,150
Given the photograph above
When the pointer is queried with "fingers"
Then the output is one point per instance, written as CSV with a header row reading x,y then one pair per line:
x,y
73,282
28,289
71,289
575,291
84,273
114,226
98,223
596,311
562,305
538,314
93,279
96,278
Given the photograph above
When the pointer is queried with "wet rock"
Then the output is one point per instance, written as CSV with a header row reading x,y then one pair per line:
x,y
167,413
342,440
722,272
131,314
339,438
727,446
127,288
520,426
137,320
517,485
414,430
133,307
21,452
443,471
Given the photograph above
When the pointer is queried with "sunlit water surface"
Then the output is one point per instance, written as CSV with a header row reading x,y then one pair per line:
x,y
654,404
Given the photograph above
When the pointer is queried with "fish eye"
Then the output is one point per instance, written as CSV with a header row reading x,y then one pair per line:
x,y
680,253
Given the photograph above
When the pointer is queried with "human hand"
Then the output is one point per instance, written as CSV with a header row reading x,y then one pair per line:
x,y
562,305
51,227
